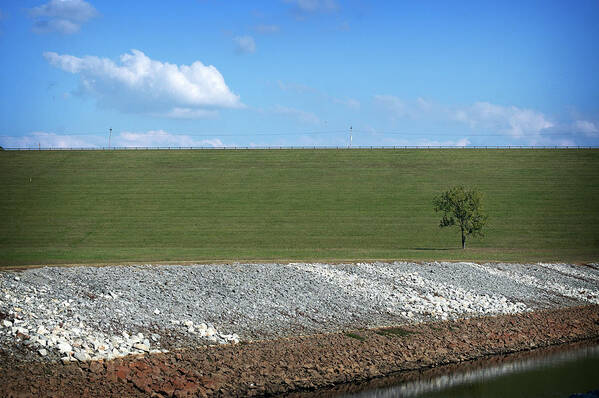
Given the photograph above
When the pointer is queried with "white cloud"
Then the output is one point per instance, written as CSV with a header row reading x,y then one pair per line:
x,y
399,108
348,102
142,85
425,142
161,138
584,126
309,6
187,113
509,120
266,29
297,87
551,141
63,16
245,44
392,104
305,89
152,138
302,116
2,17
51,140
458,142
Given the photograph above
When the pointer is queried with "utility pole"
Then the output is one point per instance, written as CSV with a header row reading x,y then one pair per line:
x,y
350,136
109,136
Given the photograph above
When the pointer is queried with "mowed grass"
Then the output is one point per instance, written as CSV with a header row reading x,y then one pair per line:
x,y
330,205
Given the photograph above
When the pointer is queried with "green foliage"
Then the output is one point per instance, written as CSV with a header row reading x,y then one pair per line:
x,y
462,207
394,332
355,336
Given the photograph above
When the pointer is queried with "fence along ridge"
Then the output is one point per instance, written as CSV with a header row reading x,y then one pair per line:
x,y
302,147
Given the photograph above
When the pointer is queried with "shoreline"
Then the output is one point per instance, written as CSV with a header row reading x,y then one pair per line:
x,y
421,377
301,363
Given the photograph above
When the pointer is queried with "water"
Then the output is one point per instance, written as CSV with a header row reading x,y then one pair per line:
x,y
556,372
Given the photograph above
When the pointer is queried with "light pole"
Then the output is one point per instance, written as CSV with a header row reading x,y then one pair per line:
x,y
109,136
350,136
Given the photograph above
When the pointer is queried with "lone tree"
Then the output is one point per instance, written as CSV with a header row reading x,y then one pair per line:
x,y
461,207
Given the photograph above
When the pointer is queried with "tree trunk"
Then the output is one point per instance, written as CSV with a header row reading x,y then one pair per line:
x,y
463,240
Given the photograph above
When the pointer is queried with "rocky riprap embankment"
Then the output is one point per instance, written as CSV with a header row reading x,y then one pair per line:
x,y
300,363
83,313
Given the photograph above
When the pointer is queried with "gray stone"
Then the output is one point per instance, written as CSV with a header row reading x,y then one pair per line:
x,y
141,347
82,356
86,307
64,348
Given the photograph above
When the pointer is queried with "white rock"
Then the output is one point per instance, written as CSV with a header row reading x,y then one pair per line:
x,y
141,347
188,323
42,330
156,311
211,331
17,278
64,348
22,330
101,348
82,356
7,323
43,352
115,340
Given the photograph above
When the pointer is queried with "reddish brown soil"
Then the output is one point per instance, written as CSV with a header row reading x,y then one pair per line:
x,y
299,363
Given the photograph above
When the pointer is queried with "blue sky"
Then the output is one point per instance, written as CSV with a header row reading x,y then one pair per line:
x,y
298,72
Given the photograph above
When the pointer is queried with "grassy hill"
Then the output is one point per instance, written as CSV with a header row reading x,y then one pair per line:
x,y
142,206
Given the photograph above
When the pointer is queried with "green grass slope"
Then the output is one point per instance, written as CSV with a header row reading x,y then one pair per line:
x,y
142,206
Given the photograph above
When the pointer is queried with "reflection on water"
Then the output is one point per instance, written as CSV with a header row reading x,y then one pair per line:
x,y
553,372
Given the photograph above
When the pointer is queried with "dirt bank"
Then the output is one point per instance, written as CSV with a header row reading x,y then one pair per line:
x,y
299,363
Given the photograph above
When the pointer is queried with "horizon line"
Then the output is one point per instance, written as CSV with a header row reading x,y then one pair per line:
x,y
302,147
